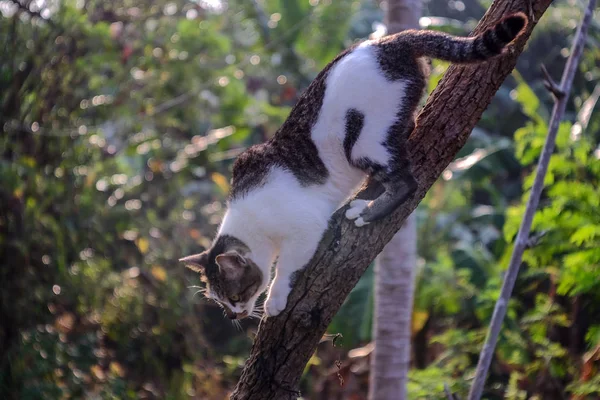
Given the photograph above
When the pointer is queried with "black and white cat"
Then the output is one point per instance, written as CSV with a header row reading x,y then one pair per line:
x,y
352,122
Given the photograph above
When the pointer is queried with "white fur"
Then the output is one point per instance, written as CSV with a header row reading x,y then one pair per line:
x,y
282,219
357,82
356,208
285,219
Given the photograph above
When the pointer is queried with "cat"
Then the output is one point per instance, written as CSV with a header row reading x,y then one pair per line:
x,y
351,123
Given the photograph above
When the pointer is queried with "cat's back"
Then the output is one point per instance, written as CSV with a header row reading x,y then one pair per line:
x,y
357,82
313,143
360,105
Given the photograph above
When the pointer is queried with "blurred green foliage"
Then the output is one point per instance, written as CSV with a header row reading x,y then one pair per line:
x,y
120,121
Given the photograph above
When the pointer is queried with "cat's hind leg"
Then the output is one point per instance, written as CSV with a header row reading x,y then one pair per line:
x,y
386,162
397,191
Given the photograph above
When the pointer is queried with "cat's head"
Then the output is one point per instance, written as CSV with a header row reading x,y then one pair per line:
x,y
231,277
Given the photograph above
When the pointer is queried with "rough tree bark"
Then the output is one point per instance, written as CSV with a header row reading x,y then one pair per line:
x,y
285,343
395,272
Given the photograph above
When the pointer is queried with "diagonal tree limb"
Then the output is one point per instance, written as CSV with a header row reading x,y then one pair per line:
x,y
561,96
285,343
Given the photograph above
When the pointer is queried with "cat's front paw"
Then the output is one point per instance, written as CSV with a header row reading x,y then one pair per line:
x,y
275,304
357,207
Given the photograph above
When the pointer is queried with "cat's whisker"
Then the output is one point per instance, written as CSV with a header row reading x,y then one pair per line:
x,y
258,312
216,302
196,287
199,291
237,324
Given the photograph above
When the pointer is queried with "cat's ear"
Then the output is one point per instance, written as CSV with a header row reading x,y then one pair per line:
x,y
196,262
231,264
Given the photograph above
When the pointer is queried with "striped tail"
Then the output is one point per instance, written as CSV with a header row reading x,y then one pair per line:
x,y
465,49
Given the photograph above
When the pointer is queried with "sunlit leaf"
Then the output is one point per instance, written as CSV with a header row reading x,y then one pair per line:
x,y
159,273
419,319
221,181
142,244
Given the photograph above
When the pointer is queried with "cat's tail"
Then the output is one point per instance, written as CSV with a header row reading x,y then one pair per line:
x,y
465,49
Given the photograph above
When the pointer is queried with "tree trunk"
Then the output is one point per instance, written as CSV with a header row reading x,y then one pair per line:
x,y
285,343
402,14
394,289
395,272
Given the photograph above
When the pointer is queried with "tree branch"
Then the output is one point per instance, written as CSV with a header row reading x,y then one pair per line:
x,y
285,343
561,95
551,84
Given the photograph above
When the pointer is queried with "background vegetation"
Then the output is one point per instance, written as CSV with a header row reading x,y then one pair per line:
x,y
120,121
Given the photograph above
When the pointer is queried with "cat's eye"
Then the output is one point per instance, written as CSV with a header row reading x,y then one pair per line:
x,y
234,298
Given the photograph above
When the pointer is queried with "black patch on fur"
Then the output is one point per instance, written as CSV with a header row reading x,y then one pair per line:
x,y
503,33
354,125
491,41
355,121
397,61
509,28
292,147
414,75
514,24
463,52
478,52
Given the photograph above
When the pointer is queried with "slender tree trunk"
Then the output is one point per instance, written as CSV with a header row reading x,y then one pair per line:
x,y
402,14
285,343
394,289
395,272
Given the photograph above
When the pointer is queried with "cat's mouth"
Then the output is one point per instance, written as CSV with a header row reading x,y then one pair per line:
x,y
238,315
233,315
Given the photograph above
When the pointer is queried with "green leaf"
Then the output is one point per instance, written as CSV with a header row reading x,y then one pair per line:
x,y
585,234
